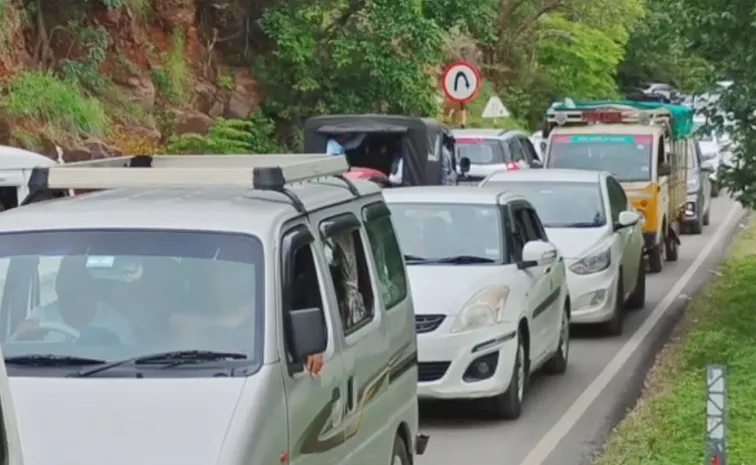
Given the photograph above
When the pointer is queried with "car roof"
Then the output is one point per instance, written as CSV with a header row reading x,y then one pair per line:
x,y
562,175
210,209
451,194
16,158
487,133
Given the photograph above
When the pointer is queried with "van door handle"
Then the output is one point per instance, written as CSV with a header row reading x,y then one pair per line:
x,y
350,393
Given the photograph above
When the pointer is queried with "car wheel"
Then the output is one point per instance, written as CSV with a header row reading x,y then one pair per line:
x,y
509,404
655,259
697,227
400,455
637,299
715,189
707,218
613,327
557,364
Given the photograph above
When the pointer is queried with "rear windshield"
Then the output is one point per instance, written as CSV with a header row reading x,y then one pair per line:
x,y
480,151
627,157
129,293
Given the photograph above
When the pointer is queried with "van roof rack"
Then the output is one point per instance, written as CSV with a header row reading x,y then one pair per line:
x,y
262,172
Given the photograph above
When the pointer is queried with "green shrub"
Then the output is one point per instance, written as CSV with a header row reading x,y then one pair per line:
x,y
255,135
60,104
173,79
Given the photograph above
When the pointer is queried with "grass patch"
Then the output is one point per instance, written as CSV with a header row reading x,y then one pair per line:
x,y
61,105
667,427
173,79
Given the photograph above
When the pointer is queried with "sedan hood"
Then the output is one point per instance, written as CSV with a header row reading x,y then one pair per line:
x,y
117,421
444,289
576,243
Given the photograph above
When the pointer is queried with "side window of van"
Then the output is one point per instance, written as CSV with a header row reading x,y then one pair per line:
x,y
387,255
345,256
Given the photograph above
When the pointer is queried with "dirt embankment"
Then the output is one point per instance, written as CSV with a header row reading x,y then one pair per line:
x,y
105,77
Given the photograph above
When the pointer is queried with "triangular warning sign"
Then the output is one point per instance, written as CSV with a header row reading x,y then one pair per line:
x,y
495,109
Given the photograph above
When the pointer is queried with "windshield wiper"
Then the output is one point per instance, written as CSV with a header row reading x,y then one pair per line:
x,y
173,358
584,224
465,259
414,258
51,360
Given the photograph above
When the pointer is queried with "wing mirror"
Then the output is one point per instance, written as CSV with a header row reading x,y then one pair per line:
x,y
309,335
627,219
664,169
543,146
464,165
537,253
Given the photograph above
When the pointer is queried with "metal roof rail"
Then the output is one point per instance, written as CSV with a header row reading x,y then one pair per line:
x,y
263,172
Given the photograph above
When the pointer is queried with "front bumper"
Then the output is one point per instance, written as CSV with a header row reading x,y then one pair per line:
x,y
691,211
594,295
449,362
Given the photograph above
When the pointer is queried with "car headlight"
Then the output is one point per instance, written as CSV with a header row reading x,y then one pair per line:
x,y
593,263
693,185
485,308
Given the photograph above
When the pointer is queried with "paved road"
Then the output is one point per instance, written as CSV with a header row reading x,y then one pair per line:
x,y
565,418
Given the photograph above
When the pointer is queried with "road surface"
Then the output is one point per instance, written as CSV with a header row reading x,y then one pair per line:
x,y
565,418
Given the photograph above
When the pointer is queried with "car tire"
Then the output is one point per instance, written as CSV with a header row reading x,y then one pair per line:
x,y
613,327
557,364
707,218
508,405
715,189
656,259
697,226
637,299
400,455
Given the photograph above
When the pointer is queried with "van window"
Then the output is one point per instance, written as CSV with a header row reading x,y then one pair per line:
x,y
305,289
114,294
387,255
345,255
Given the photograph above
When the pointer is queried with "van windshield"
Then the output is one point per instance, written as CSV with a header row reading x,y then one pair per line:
x,y
480,151
626,157
115,294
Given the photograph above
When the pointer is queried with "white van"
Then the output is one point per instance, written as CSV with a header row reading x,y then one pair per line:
x,y
15,168
209,310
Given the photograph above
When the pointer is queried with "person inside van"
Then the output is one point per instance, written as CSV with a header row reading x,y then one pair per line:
x,y
78,308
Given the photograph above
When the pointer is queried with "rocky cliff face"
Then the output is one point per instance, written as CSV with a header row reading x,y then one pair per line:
x,y
105,77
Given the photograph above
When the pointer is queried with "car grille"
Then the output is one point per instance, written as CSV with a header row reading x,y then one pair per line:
x,y
431,371
427,323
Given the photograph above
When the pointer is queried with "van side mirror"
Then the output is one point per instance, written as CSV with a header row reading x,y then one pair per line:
x,y
309,335
543,146
464,165
664,169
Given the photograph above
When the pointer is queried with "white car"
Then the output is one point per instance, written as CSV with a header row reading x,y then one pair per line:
x,y
589,218
489,291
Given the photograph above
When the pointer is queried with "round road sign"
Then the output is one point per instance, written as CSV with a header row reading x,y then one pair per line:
x,y
461,82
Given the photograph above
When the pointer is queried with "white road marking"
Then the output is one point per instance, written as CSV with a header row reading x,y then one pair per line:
x,y
551,439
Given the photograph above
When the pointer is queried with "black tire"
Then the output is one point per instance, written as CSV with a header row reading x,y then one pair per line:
x,y
400,455
715,189
696,227
656,259
509,404
670,249
637,299
707,217
557,364
613,327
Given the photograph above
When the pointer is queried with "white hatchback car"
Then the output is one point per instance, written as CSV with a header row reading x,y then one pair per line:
x,y
490,294
587,215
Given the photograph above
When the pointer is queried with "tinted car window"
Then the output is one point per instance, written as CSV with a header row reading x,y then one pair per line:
x,y
480,151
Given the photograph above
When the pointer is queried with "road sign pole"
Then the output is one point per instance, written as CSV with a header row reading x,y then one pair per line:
x,y
463,115
716,418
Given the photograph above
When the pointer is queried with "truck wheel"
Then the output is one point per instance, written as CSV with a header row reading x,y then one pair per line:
x,y
400,455
655,259
697,226
670,247
707,217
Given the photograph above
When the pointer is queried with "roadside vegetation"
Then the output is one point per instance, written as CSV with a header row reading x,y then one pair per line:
x,y
667,426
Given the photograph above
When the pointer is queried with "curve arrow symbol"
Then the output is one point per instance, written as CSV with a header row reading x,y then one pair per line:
x,y
462,75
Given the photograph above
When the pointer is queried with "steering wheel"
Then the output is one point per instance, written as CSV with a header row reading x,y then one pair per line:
x,y
62,328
